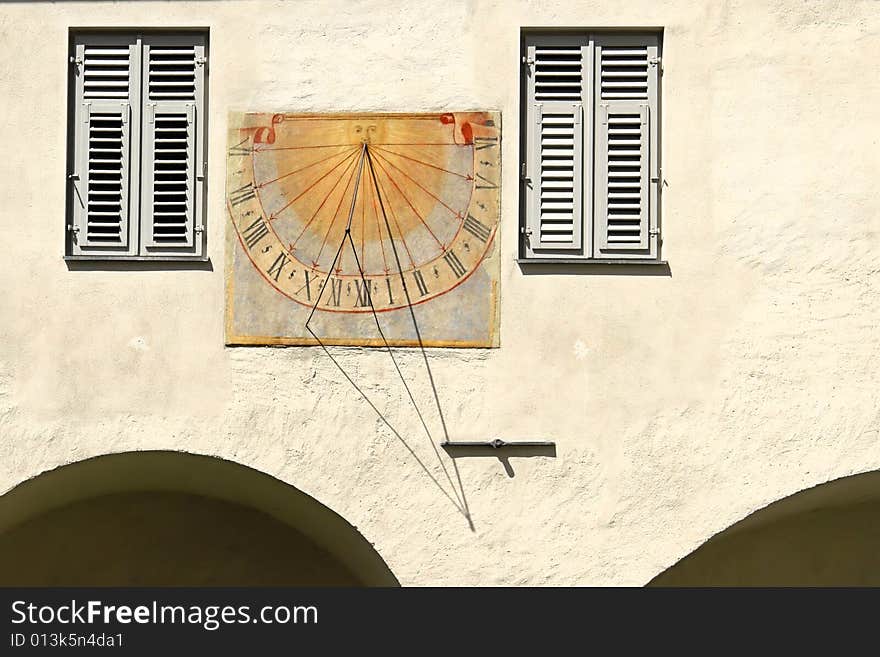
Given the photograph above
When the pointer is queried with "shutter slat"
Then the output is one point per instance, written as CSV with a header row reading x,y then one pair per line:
x,y
612,73
547,75
157,65
159,84
105,50
623,51
103,95
119,72
609,63
610,84
99,84
159,51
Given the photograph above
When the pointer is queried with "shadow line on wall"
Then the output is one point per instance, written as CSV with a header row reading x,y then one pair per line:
x,y
503,454
460,500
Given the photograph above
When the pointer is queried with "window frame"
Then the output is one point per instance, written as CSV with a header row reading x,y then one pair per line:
x,y
589,220
136,217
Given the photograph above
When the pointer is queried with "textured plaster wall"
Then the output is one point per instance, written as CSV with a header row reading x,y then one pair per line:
x,y
679,403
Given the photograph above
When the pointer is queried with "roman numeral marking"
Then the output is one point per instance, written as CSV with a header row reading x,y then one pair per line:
x,y
485,142
487,184
280,263
242,194
308,286
255,232
239,149
335,290
363,293
420,282
390,296
454,263
476,228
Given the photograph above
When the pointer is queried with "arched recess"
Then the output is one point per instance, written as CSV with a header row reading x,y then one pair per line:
x,y
173,518
828,535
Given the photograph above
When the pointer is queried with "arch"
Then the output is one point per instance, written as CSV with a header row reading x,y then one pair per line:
x,y
827,535
223,507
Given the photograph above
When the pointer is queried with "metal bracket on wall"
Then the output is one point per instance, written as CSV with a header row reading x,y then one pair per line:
x,y
498,447
503,450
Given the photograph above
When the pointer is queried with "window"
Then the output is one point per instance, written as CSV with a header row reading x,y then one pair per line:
x,y
136,169
591,174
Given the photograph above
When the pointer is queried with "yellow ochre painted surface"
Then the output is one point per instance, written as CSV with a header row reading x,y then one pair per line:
x,y
364,228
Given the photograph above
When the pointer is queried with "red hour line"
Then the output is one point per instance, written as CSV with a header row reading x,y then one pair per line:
x,y
419,185
422,162
333,221
396,223
274,215
409,203
290,173
378,225
309,223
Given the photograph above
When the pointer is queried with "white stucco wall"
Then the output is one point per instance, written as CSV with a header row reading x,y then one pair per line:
x,y
746,375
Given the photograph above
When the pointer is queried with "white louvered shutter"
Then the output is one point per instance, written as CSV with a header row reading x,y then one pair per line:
x,y
558,127
105,145
626,172
173,129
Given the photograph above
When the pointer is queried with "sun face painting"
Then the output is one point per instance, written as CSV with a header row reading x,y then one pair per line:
x,y
372,228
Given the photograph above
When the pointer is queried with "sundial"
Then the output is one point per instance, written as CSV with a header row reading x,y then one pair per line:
x,y
340,218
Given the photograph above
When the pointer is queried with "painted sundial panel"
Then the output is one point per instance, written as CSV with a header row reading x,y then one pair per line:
x,y
340,220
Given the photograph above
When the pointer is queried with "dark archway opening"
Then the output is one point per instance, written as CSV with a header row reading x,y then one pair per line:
x,y
828,535
174,519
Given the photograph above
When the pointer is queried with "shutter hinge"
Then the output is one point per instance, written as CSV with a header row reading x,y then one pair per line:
x,y
526,232
204,172
76,61
522,171
201,61
527,62
658,177
73,229
654,232
199,229
73,176
654,61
